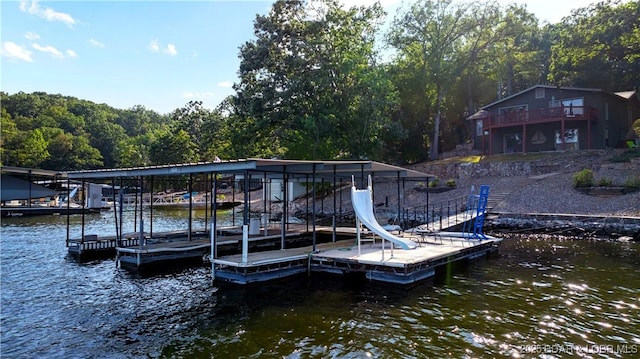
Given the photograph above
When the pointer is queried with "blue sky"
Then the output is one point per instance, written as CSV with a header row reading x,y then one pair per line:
x,y
158,54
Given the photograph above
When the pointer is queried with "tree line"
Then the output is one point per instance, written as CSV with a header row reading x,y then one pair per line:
x,y
322,81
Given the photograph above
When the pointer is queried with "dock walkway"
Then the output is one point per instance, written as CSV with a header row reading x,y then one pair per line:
x,y
343,257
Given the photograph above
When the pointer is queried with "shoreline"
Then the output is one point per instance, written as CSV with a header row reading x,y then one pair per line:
x,y
536,194
616,228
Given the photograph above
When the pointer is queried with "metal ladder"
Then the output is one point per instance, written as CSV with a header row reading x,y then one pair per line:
x,y
476,204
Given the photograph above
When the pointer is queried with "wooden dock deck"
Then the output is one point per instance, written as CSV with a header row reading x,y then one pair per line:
x,y
343,257
160,249
93,245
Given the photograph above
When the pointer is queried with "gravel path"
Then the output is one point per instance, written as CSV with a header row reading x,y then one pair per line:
x,y
551,194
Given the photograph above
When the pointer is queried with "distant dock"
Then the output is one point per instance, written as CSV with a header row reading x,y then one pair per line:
x,y
9,211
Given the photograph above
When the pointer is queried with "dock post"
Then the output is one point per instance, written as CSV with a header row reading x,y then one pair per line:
x,y
245,243
358,233
212,235
214,218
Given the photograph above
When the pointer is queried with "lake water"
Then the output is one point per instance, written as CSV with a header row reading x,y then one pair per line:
x,y
537,298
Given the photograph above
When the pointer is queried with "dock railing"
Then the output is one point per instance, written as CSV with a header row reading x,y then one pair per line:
x,y
437,216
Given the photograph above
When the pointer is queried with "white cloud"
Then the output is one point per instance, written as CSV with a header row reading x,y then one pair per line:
x,y
225,84
154,46
171,50
96,43
54,51
48,49
31,36
46,13
14,51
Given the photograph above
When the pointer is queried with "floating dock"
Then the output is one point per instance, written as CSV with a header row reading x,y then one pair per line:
x,y
258,252
9,211
93,246
343,257
172,246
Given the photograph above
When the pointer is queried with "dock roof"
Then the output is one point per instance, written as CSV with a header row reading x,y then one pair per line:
x,y
273,168
12,188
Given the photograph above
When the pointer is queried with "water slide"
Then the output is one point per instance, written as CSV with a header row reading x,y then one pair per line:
x,y
363,206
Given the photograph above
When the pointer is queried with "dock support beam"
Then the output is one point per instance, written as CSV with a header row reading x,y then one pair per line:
x,y
245,243
214,219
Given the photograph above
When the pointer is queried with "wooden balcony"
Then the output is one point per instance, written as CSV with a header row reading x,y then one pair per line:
x,y
556,114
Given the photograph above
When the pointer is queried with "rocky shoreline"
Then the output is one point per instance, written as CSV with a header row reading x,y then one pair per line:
x,y
623,229
536,195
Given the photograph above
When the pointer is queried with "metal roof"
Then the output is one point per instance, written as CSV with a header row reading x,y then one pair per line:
x,y
274,168
15,188
539,86
30,171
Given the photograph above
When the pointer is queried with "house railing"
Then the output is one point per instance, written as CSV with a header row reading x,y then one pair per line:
x,y
520,117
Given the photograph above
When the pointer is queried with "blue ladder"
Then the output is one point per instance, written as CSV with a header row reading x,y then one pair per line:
x,y
473,227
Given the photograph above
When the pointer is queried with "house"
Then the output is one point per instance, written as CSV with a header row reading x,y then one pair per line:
x,y
548,118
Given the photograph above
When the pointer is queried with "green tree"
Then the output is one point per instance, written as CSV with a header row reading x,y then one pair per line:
x,y
599,46
308,85
9,140
33,150
133,151
517,55
171,147
441,39
69,152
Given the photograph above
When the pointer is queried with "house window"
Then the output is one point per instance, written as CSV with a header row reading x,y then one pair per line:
x,y
571,107
540,92
570,139
478,127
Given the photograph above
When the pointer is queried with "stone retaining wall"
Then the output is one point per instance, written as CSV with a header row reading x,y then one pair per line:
x,y
569,162
579,225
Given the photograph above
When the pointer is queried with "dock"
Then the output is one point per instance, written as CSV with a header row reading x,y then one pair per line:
x,y
173,246
269,245
9,211
343,257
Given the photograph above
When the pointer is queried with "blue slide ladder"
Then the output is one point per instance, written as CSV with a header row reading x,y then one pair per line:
x,y
473,227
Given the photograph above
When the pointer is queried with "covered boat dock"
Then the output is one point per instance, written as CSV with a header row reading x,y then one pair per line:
x,y
250,255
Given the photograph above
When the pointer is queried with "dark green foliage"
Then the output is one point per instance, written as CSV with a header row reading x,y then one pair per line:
x,y
626,156
308,86
633,182
599,46
605,182
583,178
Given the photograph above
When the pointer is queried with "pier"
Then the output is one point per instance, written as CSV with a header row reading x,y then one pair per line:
x,y
267,245
343,258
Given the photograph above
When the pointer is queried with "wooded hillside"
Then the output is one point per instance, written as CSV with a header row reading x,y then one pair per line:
x,y
315,83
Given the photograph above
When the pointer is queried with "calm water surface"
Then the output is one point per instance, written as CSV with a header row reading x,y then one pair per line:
x,y
537,298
